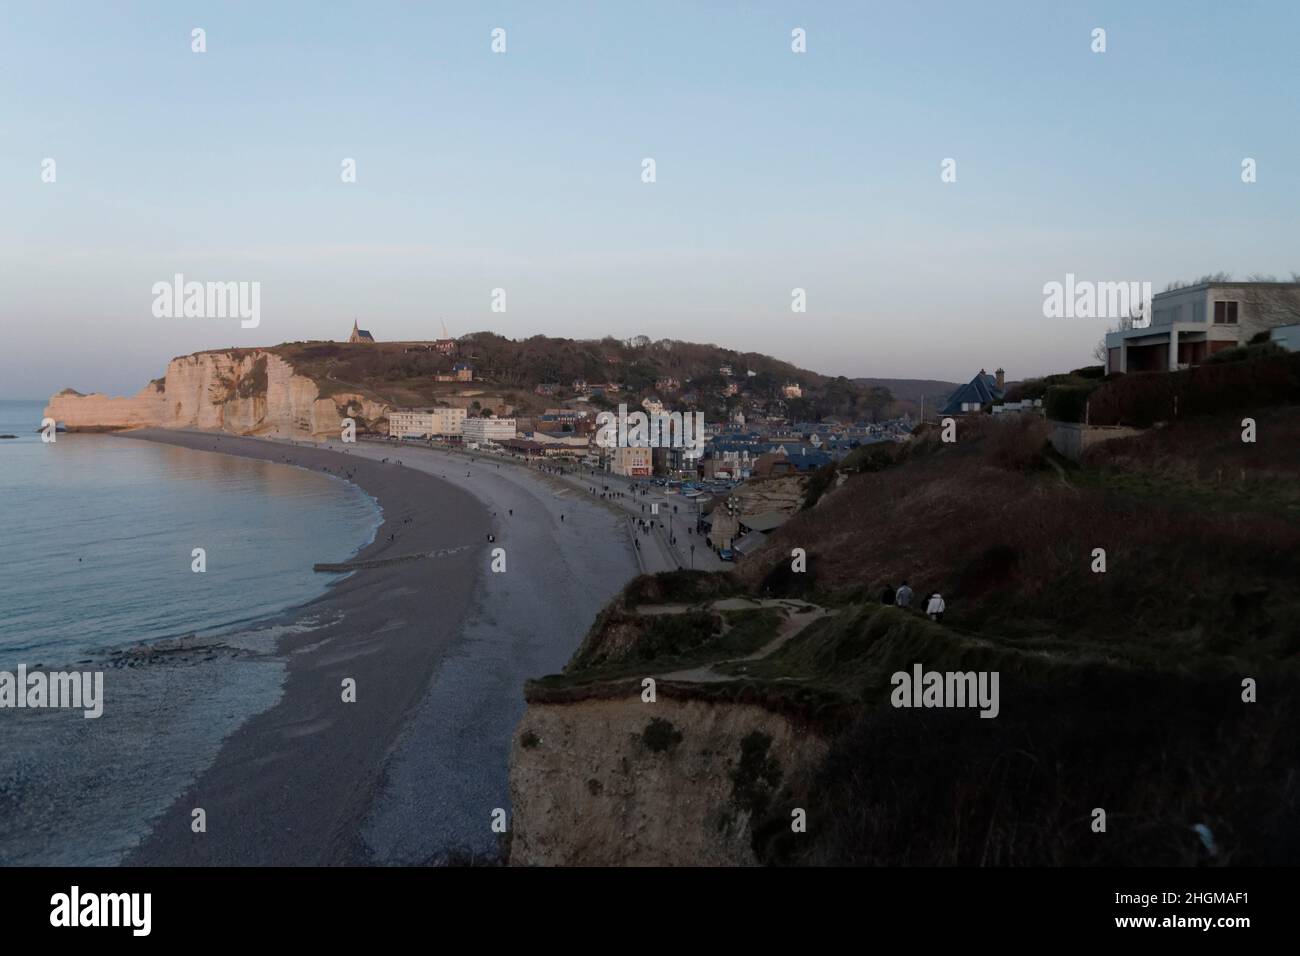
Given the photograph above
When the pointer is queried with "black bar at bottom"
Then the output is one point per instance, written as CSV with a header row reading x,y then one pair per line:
x,y
331,906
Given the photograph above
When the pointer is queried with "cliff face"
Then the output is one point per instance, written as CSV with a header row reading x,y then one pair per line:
x,y
784,494
613,782
250,392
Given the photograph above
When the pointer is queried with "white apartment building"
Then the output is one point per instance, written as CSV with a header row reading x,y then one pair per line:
x,y
410,423
484,430
425,422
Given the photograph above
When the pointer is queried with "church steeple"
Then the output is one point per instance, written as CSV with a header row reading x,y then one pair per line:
x,y
359,334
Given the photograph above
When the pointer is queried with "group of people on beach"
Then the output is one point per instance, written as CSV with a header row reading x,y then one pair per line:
x,y
902,597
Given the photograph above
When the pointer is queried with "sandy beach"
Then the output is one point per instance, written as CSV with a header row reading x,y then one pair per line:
x,y
252,727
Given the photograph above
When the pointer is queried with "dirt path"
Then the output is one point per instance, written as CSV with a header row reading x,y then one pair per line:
x,y
799,614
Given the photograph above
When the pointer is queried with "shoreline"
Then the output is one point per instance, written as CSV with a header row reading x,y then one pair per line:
x,y
295,778
247,720
412,770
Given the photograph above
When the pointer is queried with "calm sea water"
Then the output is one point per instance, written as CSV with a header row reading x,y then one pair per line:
x,y
96,535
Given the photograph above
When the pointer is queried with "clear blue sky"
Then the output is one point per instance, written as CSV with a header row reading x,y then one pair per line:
x,y
522,171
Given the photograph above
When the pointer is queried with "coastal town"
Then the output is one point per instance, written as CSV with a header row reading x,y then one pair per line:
x,y
725,490
756,435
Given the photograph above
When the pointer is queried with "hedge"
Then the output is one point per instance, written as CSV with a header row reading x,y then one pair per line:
x,y
1141,399
1066,403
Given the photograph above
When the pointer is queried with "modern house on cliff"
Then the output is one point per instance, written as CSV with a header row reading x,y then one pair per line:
x,y
1189,325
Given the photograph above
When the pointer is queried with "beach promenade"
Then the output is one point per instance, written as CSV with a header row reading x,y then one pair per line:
x,y
668,545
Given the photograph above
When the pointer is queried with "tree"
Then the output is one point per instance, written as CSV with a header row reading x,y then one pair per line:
x,y
1208,277
1135,319
1272,304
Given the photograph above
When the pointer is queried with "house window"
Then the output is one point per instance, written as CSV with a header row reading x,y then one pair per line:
x,y
1225,313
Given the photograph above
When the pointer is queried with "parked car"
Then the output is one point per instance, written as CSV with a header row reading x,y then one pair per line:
x,y
726,554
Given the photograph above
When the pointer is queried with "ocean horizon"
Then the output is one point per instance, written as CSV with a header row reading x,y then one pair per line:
x,y
100,533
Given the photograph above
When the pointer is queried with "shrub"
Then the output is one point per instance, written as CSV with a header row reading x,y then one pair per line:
x,y
757,774
1036,388
660,735
1017,442
868,458
822,480
1245,353
671,635
682,586
1067,403
1031,389
783,581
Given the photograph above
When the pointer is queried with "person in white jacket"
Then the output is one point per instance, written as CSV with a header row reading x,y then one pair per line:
x,y
935,608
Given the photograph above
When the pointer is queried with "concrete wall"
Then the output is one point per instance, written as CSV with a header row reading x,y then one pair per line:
x,y
1072,439
1185,305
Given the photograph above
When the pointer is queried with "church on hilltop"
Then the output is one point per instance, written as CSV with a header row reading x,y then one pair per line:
x,y
360,335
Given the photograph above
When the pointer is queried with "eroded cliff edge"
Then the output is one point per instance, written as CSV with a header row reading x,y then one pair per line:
x,y
646,751
241,391
617,781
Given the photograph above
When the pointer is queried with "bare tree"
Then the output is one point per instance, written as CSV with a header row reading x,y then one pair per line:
x,y
1135,319
1271,302
1208,277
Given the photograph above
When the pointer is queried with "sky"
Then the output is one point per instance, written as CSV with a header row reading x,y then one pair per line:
x,y
523,171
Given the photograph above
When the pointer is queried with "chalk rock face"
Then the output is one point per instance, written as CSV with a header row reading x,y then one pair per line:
x,y
96,411
592,786
244,392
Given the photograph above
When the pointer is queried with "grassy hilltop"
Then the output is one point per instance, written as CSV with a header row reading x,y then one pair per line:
x,y
402,373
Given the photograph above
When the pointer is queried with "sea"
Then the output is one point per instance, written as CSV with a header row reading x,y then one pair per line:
x,y
98,535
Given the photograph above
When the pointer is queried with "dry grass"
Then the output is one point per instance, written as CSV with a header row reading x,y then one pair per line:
x,y
1013,550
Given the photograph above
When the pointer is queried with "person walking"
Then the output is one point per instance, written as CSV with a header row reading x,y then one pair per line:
x,y
887,595
904,596
935,608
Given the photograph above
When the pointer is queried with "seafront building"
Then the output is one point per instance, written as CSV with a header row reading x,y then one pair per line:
x,y
425,422
631,462
485,430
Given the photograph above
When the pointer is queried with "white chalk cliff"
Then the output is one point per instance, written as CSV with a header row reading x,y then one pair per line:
x,y
244,392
